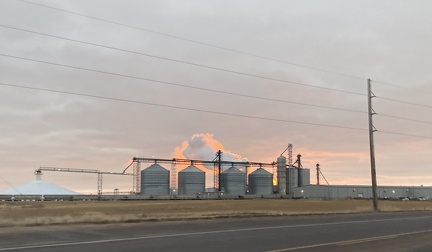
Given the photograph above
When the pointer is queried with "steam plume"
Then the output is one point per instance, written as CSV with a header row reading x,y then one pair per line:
x,y
204,147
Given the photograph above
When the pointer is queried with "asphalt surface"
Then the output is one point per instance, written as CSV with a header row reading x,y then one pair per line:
x,y
410,231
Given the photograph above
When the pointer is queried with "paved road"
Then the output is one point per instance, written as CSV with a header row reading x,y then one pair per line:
x,y
359,232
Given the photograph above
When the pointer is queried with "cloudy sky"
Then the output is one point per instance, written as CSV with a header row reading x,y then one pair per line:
x,y
247,76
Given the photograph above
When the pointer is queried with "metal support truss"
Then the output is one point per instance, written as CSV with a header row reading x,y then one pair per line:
x,y
98,172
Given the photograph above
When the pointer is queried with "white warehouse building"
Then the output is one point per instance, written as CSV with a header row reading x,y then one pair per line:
x,y
294,182
353,191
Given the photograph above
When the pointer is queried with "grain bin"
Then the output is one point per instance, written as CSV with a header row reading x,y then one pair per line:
x,y
155,180
233,181
261,182
191,181
292,179
303,177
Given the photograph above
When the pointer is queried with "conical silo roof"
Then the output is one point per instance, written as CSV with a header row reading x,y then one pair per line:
x,y
233,170
154,167
261,171
191,168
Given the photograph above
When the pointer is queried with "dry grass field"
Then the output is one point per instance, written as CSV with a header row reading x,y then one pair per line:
x,y
30,213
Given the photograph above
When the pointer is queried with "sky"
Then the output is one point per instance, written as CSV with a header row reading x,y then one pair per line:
x,y
248,77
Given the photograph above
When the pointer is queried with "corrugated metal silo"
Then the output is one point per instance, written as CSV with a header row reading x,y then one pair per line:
x,y
155,180
261,182
292,179
304,177
282,175
191,181
233,181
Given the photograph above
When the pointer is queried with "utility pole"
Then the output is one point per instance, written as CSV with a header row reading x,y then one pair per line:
x,y
372,129
317,173
219,162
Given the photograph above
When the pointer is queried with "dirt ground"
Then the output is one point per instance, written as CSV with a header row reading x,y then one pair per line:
x,y
30,213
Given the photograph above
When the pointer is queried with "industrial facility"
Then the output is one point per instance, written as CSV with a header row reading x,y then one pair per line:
x,y
230,177
159,179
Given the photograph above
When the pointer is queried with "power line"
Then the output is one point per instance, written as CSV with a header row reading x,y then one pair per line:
x,y
182,85
402,87
181,61
219,91
220,47
403,118
202,110
178,107
403,134
230,93
203,89
196,42
226,92
404,102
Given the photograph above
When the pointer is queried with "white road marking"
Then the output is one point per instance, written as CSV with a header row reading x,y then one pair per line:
x,y
206,233
349,242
